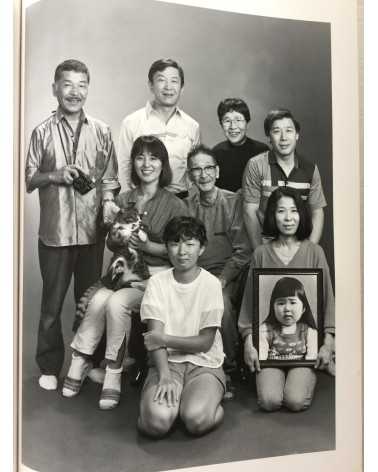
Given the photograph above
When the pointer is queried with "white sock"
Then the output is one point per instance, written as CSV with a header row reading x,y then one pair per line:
x,y
112,379
78,364
48,382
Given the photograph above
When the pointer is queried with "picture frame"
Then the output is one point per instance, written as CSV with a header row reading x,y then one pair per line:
x,y
275,349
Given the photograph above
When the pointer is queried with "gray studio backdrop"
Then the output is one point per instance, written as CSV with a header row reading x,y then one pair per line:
x,y
267,62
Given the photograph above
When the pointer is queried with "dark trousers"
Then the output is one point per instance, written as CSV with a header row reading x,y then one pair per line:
x,y
57,265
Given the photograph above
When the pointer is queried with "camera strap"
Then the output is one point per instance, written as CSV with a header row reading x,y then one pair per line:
x,y
75,143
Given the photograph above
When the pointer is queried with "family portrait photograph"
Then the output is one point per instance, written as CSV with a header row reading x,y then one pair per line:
x,y
188,183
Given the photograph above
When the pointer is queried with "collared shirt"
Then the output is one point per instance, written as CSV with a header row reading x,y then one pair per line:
x,y
228,249
68,218
263,175
180,135
157,211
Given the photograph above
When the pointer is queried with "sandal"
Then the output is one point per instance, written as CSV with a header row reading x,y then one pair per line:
x,y
71,386
111,391
109,399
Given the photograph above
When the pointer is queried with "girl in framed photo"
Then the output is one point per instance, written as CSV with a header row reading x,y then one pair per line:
x,y
288,223
289,332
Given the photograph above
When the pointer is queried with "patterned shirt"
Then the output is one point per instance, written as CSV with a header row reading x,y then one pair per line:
x,y
68,218
180,135
288,342
263,175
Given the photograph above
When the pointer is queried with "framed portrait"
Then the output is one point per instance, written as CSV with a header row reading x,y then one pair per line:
x,y
287,316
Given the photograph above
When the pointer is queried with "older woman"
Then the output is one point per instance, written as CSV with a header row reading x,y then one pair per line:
x,y
150,174
288,222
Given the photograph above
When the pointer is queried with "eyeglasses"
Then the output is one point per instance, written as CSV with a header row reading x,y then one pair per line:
x,y
237,121
197,171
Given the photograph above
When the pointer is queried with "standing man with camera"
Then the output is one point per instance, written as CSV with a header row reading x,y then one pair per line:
x,y
72,162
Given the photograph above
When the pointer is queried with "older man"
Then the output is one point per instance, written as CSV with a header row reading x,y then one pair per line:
x,y
72,163
162,118
228,251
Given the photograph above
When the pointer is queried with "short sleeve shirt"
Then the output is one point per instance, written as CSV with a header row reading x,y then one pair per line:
x,y
263,175
186,309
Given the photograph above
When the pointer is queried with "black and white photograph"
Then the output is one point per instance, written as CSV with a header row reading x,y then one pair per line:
x,y
288,316
178,253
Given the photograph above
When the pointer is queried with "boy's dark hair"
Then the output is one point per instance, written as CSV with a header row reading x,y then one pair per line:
x,y
278,114
290,287
153,145
160,65
233,104
184,227
201,148
70,65
305,221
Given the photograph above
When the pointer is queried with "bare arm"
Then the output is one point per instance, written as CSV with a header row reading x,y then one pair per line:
x,y
317,225
189,344
167,389
151,247
252,224
251,357
326,352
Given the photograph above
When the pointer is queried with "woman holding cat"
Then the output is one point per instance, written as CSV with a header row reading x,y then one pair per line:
x,y
150,174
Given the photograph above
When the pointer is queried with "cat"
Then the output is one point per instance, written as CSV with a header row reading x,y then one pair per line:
x,y
126,266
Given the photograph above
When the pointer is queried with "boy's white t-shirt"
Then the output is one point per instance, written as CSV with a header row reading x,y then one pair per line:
x,y
185,309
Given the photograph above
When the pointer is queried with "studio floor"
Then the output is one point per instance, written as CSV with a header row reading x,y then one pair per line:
x,y
60,434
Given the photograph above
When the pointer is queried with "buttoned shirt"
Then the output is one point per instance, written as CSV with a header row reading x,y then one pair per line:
x,y
68,218
263,175
228,249
180,134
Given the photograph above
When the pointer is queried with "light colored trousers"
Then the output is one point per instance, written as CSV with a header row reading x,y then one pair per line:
x,y
110,309
292,387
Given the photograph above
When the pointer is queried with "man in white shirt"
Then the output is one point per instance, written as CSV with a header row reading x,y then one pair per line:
x,y
162,118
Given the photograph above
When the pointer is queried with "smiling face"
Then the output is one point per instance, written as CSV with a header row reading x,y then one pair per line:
x,y
203,171
184,254
166,87
287,217
147,167
288,310
71,91
235,127
283,137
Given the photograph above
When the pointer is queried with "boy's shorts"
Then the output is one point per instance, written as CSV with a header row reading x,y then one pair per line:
x,y
183,373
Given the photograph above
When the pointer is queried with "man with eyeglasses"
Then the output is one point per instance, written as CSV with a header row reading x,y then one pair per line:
x,y
162,118
234,153
228,252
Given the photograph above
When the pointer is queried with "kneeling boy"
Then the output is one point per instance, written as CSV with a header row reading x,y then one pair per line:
x,y
183,307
